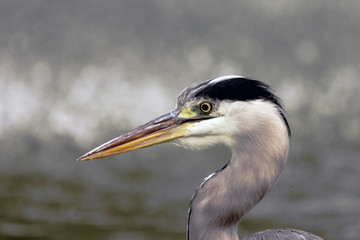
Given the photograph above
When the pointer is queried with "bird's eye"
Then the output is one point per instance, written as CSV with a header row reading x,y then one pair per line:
x,y
205,107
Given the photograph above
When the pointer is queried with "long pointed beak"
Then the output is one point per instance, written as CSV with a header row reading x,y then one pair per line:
x,y
161,129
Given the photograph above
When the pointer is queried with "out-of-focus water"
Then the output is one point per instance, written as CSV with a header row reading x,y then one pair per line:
x,y
46,194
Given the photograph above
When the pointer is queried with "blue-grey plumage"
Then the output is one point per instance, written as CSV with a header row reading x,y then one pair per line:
x,y
246,116
282,234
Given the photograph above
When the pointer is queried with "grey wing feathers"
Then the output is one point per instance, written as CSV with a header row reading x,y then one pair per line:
x,y
282,234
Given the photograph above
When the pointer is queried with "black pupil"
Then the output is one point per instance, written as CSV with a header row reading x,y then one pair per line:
x,y
205,107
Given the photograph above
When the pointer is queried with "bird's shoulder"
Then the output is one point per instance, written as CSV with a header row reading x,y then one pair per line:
x,y
283,234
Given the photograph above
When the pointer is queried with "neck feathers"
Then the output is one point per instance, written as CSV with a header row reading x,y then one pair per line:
x,y
219,203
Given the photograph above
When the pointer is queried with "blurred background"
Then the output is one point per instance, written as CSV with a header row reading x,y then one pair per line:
x,y
74,74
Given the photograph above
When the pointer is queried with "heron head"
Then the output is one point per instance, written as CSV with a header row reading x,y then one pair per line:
x,y
207,113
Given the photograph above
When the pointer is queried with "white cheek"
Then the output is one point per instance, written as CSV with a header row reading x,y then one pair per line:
x,y
213,126
205,134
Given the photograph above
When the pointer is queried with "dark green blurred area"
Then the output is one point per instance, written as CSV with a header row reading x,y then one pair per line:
x,y
74,74
145,194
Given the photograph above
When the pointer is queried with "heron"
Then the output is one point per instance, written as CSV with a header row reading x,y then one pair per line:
x,y
246,116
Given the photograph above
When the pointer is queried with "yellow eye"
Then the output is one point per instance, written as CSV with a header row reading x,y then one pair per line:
x,y
205,107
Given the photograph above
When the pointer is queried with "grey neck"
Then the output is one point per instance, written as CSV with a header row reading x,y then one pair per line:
x,y
224,197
